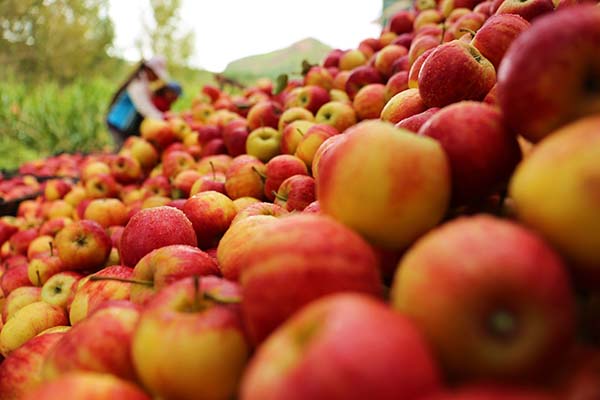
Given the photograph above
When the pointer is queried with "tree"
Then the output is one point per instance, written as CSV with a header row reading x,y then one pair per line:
x,y
58,39
165,35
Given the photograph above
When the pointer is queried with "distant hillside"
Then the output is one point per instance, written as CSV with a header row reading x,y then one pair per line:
x,y
288,60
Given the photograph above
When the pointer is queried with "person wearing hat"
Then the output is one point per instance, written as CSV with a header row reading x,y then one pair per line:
x,y
166,95
133,100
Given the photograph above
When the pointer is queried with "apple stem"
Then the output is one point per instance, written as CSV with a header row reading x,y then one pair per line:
x,y
262,175
279,196
212,168
443,33
221,300
117,279
196,292
467,30
51,248
300,131
39,278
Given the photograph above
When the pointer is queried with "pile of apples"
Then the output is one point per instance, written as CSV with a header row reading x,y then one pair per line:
x,y
415,218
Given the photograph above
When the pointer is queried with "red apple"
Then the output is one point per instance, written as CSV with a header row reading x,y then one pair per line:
x,y
278,169
211,214
360,77
337,114
126,169
497,34
310,97
528,9
176,161
403,105
369,101
296,192
244,177
292,134
396,84
259,208
83,245
310,143
319,76
264,113
235,134
415,122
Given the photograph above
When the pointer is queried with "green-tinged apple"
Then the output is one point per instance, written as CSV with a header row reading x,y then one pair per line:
x,y
309,97
142,150
338,339
100,343
107,212
482,153
563,83
292,114
83,245
92,293
211,214
244,177
369,101
21,371
455,71
410,196
403,105
88,386
207,350
19,298
337,114
492,289
312,140
306,257
278,169
351,59
497,34
264,143
264,114
60,288
296,193
152,228
292,134
27,322
236,245
39,270
564,168
158,132
40,247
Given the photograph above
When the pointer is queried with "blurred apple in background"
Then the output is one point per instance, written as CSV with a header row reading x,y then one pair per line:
x,y
292,135
369,101
264,114
337,114
403,105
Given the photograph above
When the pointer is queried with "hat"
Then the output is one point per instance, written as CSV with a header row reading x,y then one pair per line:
x,y
175,87
158,64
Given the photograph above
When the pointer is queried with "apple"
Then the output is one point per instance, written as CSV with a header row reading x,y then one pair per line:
x,y
384,59
264,143
264,114
278,169
95,290
296,192
295,113
39,270
157,186
158,132
360,77
152,228
326,146
351,59
59,289
101,186
243,202
397,83
19,242
19,298
244,177
319,75
21,371
295,260
315,136
421,44
310,97
56,209
513,321
337,114
235,134
6,231
410,195
176,161
455,71
27,322
208,132
183,182
563,167
482,153
213,147
236,245
153,202
141,150
331,342
126,169
260,208
87,385
292,135
52,226
83,245
532,106
107,212
100,343
207,349
211,214
528,9
403,105
217,163
401,21
55,189
332,58
415,122
339,81
497,34
369,101
40,247
14,277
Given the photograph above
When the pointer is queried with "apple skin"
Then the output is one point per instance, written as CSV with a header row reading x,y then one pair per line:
x,y
528,9
483,272
415,122
60,288
403,105
455,71
294,114
21,371
243,177
14,278
396,84
306,257
101,186
92,294
482,152
330,342
89,386
19,298
319,75
41,246
169,264
421,44
564,168
235,134
278,169
107,212
497,34
153,228
83,245
310,97
332,58
360,77
206,341
369,101
211,214
20,240
296,192
416,189
158,132
337,114
39,270
315,136
533,106
125,169
27,322
402,22
100,343
492,391
264,143
183,182
384,59
176,161
142,150
211,181
352,59
264,113
260,208
292,135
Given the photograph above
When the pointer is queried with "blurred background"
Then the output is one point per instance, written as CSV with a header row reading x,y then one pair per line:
x,y
62,60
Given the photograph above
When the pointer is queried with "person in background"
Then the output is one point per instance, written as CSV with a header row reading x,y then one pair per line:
x,y
133,100
166,95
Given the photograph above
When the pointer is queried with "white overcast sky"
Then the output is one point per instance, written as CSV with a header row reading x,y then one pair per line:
x,y
226,30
